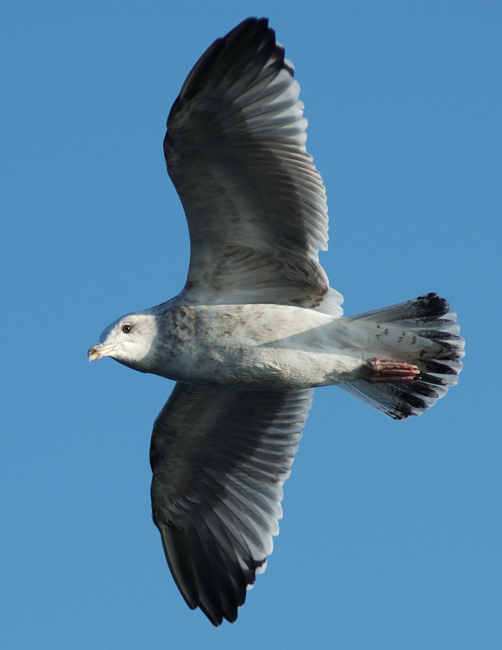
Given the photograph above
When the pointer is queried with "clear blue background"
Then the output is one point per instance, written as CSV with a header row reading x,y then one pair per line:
x,y
392,531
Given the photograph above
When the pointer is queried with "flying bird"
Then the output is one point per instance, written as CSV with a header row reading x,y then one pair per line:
x,y
256,327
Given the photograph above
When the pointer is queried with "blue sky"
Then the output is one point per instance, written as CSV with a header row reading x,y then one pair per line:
x,y
391,534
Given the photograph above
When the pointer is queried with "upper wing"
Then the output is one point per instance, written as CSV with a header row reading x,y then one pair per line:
x,y
254,201
219,459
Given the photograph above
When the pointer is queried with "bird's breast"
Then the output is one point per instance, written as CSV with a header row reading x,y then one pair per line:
x,y
262,347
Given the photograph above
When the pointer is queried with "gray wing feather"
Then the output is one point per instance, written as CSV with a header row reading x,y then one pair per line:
x,y
219,459
254,201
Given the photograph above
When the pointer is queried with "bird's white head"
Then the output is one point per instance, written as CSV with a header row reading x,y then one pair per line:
x,y
128,340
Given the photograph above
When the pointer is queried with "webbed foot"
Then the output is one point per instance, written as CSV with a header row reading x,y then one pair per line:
x,y
377,371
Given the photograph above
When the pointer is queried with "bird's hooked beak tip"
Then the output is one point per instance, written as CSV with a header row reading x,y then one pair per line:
x,y
94,353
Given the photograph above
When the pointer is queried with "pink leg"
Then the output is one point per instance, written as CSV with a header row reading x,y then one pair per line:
x,y
376,371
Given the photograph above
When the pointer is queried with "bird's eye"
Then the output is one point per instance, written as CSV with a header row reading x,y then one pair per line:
x,y
126,328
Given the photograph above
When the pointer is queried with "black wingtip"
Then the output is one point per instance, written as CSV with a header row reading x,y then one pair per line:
x,y
249,30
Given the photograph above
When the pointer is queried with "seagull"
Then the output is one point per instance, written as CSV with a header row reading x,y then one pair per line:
x,y
256,327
